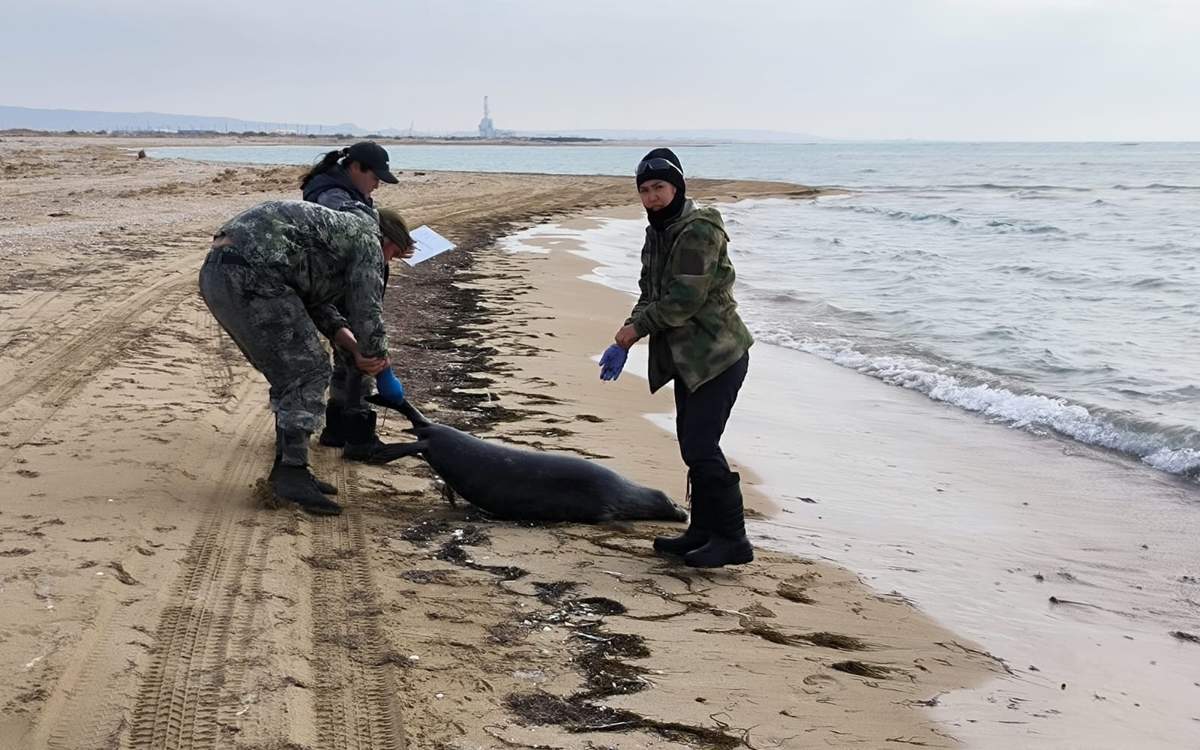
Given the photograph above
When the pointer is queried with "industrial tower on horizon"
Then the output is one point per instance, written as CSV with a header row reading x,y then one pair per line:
x,y
487,128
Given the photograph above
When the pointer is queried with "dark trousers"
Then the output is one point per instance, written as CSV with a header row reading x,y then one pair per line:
x,y
348,387
700,418
276,335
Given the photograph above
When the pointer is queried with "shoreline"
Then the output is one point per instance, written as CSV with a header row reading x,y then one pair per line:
x,y
269,139
565,375
159,588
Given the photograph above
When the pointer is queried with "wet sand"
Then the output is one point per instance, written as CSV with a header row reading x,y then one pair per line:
x,y
151,600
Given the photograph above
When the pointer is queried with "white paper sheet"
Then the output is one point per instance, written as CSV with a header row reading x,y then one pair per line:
x,y
426,244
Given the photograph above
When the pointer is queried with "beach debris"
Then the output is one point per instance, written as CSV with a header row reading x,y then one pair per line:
x,y
794,593
751,626
1188,637
141,154
122,575
553,592
955,645
758,610
578,715
863,669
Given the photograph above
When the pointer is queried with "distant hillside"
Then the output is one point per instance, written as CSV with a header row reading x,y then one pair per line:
x,y
61,120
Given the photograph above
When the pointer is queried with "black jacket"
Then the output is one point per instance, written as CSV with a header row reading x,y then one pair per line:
x,y
333,188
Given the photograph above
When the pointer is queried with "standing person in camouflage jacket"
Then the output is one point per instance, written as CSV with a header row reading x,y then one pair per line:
x,y
272,280
697,340
344,180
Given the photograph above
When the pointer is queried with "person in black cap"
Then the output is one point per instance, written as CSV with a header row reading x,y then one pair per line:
x,y
697,340
344,180
347,174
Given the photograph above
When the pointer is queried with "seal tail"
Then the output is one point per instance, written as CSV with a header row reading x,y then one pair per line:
x,y
404,407
389,453
417,418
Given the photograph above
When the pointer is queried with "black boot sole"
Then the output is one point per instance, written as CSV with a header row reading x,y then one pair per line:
x,y
326,508
333,509
727,553
676,547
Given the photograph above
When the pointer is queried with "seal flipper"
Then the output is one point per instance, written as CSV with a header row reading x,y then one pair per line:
x,y
404,407
390,453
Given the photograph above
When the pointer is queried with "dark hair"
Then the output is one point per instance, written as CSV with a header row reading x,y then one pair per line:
x,y
328,162
392,226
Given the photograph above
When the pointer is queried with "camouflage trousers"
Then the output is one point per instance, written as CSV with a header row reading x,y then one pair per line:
x,y
348,386
276,335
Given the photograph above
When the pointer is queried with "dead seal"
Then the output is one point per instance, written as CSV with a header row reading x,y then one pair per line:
x,y
525,485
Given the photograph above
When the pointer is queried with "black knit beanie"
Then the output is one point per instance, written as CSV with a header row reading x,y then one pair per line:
x,y
674,176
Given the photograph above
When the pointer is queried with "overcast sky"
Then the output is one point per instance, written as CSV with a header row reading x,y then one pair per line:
x,y
936,69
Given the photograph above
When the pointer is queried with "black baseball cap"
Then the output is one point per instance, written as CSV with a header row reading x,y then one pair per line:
x,y
374,157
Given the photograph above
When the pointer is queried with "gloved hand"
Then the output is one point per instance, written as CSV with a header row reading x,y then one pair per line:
x,y
612,362
389,386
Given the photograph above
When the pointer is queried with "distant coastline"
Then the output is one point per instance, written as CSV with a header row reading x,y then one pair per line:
x,y
273,139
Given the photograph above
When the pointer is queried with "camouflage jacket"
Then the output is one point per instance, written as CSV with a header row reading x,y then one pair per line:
x,y
321,255
686,305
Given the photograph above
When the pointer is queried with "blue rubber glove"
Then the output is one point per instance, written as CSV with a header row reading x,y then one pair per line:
x,y
389,386
612,362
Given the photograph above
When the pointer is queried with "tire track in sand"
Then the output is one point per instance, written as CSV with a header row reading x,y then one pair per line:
x,y
66,366
354,701
190,681
88,710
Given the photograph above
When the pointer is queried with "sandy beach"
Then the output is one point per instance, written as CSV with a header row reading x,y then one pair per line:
x,y
150,600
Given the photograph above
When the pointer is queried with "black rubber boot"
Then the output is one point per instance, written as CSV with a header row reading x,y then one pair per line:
x,y
728,544
362,443
297,484
324,487
291,480
333,435
697,533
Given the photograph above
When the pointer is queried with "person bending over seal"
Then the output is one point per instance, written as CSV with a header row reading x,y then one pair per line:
x,y
344,180
271,279
697,340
